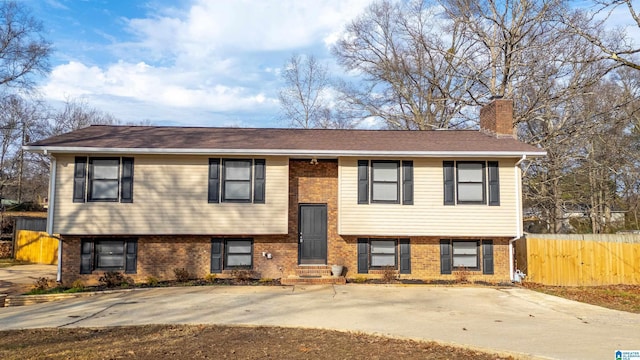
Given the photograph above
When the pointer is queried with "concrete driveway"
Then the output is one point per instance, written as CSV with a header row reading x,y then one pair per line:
x,y
17,279
505,320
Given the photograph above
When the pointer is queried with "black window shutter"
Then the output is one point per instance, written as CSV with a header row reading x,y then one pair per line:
x,y
405,256
214,180
445,257
363,256
407,182
80,179
259,184
494,184
363,181
126,192
216,256
487,257
130,266
449,183
86,256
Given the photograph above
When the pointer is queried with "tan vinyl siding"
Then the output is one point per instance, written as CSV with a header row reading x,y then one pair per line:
x,y
170,197
428,216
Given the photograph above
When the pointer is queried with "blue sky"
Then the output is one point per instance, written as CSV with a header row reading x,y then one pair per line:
x,y
189,62
196,62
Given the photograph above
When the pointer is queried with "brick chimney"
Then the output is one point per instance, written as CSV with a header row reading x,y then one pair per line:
x,y
496,118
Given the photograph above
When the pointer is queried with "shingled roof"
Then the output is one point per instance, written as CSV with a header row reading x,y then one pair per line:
x,y
292,142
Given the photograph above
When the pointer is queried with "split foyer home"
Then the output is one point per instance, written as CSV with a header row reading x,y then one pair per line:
x,y
288,203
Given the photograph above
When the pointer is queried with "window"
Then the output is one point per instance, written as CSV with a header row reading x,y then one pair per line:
x,y
236,185
467,182
109,179
104,179
384,181
380,181
465,254
384,253
242,180
239,253
470,182
228,254
108,255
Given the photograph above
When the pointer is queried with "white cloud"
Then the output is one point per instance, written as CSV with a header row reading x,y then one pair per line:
x,y
215,58
143,82
268,25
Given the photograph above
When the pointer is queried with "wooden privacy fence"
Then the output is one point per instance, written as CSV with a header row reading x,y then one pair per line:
x,y
573,260
36,247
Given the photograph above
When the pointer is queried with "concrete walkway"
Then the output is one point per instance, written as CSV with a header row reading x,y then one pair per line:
x,y
505,320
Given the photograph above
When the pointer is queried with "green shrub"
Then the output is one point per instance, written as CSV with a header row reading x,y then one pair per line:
x,y
151,281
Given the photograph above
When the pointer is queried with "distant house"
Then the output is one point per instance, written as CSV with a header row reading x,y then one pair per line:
x,y
287,203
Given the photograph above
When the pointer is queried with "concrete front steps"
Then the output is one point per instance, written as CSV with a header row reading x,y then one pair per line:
x,y
313,275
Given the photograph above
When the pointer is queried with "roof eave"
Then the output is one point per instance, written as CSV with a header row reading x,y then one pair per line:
x,y
279,152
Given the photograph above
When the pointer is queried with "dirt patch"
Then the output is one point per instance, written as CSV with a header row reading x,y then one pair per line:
x,y
617,297
14,289
217,342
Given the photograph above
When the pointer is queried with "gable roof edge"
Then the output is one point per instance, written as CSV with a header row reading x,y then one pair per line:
x,y
279,152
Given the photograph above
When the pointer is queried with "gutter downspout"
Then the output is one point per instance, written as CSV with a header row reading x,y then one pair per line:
x,y
51,212
518,216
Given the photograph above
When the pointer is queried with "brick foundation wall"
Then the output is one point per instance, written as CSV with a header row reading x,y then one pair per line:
x,y
425,260
158,256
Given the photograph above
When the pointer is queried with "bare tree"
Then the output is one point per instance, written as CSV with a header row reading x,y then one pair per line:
x,y
504,34
77,114
304,99
600,28
408,62
21,120
23,50
24,54
592,161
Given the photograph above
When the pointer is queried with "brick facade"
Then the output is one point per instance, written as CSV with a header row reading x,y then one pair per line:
x,y
425,260
158,256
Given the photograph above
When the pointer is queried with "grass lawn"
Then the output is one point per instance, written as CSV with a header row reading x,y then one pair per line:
x,y
218,342
617,297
